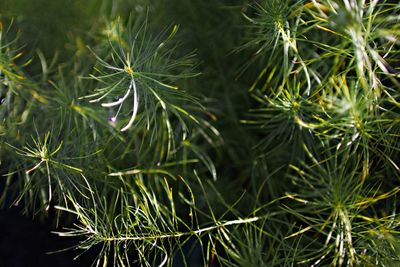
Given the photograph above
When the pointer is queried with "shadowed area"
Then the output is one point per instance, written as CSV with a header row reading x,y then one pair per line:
x,y
26,242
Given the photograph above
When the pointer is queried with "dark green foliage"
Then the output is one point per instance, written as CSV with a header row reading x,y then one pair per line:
x,y
206,133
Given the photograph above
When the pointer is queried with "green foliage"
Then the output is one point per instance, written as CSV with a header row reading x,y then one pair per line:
x,y
206,133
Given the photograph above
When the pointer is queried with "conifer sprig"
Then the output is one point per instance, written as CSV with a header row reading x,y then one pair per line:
x,y
141,69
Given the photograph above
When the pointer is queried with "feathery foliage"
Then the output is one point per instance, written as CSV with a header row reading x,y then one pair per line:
x,y
206,133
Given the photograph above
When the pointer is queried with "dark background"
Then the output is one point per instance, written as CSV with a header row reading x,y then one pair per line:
x,y
27,242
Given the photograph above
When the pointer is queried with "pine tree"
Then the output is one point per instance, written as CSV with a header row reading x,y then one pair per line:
x,y
205,133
